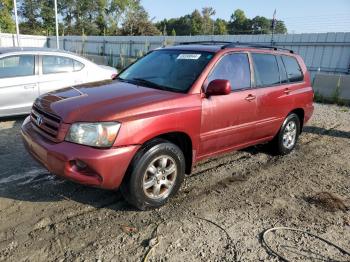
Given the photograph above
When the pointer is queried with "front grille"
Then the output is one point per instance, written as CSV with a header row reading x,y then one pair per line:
x,y
46,124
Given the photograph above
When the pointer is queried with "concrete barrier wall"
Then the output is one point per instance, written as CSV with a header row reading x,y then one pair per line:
x,y
332,87
10,40
323,52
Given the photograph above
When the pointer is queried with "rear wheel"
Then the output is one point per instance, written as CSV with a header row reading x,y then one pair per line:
x,y
288,135
155,175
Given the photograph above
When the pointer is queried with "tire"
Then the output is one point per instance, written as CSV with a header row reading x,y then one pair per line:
x,y
287,137
155,175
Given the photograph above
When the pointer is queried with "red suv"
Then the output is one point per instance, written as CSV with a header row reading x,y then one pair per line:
x,y
167,111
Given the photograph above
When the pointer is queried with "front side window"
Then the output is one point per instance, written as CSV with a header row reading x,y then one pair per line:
x,y
60,64
235,68
293,69
171,70
265,70
16,66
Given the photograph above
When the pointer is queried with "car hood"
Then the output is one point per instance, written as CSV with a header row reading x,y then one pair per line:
x,y
106,101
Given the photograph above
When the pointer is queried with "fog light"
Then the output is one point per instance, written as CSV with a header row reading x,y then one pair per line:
x,y
80,165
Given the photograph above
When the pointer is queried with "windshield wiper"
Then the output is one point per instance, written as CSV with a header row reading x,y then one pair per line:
x,y
149,83
123,80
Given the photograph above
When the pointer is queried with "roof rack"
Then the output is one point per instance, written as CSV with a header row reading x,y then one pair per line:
x,y
206,43
239,44
226,44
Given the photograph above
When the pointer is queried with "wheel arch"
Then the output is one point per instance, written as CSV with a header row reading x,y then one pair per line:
x,y
301,114
180,139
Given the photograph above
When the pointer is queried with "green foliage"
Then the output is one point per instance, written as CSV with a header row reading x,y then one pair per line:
x,y
123,17
208,25
7,24
202,23
97,17
137,21
240,24
221,27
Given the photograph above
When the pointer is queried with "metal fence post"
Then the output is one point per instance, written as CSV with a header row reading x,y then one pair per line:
x,y
104,47
130,48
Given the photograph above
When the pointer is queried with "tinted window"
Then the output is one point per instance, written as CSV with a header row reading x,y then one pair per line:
x,y
173,70
235,68
293,69
59,64
283,72
266,70
13,66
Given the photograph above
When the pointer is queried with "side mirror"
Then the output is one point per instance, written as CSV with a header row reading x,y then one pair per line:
x,y
218,87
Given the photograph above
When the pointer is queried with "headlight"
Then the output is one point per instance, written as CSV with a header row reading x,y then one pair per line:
x,y
93,134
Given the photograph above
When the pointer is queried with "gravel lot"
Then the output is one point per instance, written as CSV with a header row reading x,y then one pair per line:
x,y
219,215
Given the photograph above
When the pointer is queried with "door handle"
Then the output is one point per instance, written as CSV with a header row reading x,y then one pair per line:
x,y
29,86
250,98
287,91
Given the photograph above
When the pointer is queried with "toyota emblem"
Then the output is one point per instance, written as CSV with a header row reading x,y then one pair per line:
x,y
39,120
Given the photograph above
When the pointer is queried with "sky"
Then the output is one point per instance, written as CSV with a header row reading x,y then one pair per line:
x,y
300,16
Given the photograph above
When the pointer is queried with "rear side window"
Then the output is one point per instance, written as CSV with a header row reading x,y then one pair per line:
x,y
293,69
60,64
15,66
265,70
235,68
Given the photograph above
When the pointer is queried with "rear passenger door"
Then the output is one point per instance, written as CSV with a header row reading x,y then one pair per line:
x,y
18,84
228,120
59,72
274,92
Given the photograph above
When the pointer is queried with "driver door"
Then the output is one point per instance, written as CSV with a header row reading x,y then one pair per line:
x,y
228,120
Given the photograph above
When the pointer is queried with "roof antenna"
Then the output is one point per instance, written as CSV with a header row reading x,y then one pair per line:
x,y
273,27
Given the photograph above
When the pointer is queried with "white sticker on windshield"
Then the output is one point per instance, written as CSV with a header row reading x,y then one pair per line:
x,y
189,56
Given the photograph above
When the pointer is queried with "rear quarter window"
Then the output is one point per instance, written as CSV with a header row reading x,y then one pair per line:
x,y
293,69
60,64
266,70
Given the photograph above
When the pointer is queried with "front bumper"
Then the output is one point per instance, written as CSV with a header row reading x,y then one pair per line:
x,y
105,168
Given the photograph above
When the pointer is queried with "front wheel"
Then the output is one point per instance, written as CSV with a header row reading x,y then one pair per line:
x,y
155,175
288,135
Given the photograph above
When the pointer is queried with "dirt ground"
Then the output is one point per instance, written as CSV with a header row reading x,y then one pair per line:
x,y
220,213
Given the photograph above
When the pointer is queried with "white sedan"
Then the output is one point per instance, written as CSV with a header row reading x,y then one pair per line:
x,y
26,73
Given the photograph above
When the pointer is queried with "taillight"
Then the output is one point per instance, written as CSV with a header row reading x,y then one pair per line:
x,y
113,76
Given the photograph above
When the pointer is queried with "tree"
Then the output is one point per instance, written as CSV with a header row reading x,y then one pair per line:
x,y
239,23
196,23
261,25
220,27
208,23
280,27
29,10
137,22
7,24
47,14
173,32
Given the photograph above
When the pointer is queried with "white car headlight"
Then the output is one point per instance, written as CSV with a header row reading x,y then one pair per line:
x,y
93,134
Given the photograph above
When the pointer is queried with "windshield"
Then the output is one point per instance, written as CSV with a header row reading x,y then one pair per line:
x,y
171,70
